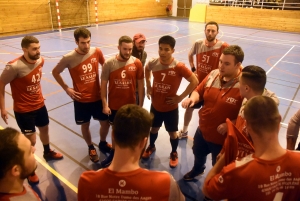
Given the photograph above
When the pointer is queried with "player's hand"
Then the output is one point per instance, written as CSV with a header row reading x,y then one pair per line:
x,y
73,94
187,103
173,100
4,116
149,92
106,110
222,128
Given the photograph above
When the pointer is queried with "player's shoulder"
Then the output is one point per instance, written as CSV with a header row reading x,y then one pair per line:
x,y
111,60
70,55
199,42
153,61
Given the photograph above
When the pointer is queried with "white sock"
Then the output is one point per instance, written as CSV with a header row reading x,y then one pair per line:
x,y
185,128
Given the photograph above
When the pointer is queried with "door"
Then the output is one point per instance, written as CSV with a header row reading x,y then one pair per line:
x,y
184,8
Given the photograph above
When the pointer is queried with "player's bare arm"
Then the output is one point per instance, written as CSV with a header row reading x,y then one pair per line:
x,y
193,82
70,91
2,102
214,171
106,109
148,81
141,92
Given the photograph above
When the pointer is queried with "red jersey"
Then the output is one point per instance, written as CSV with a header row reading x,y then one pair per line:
x,y
84,70
25,82
140,184
238,143
122,77
257,179
221,101
166,81
207,58
27,194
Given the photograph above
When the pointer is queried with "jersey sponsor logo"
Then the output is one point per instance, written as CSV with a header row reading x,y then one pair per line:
x,y
123,81
280,175
220,179
93,60
215,54
162,86
122,183
88,76
131,68
172,73
33,88
204,68
231,100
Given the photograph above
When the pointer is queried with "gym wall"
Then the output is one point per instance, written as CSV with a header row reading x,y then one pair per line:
x,y
23,16
281,20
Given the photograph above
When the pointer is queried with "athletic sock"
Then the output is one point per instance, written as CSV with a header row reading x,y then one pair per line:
x,y
102,143
153,137
91,147
46,148
174,144
185,128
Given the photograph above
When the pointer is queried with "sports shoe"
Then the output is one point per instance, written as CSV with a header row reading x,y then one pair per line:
x,y
106,162
148,152
52,155
93,155
105,147
182,134
173,159
33,179
191,175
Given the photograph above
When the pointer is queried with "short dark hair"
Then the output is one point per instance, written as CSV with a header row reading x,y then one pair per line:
x,y
235,51
81,32
125,39
169,40
27,40
261,113
10,153
212,23
131,125
255,77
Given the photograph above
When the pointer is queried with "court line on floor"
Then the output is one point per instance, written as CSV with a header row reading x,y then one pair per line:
x,y
291,62
54,172
280,60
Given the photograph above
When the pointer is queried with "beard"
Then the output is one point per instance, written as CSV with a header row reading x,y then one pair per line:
x,y
34,57
124,56
26,172
85,50
140,48
210,39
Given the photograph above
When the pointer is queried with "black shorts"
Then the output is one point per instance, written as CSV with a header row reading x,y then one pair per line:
x,y
84,112
170,119
29,120
111,117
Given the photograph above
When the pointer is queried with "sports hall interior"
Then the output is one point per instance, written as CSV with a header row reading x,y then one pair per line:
x,y
267,31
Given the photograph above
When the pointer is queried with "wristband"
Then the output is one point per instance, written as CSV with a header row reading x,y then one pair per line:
x,y
193,69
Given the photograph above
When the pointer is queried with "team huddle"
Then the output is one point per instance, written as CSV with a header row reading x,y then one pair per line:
x,y
239,121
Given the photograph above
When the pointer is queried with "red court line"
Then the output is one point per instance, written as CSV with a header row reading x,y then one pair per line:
x,y
269,63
